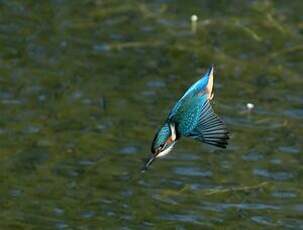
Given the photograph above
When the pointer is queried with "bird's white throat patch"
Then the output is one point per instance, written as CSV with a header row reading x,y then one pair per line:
x,y
173,131
166,151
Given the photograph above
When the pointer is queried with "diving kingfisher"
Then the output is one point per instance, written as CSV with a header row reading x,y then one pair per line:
x,y
192,116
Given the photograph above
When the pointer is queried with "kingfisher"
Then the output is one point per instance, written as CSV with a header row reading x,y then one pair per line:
x,y
192,116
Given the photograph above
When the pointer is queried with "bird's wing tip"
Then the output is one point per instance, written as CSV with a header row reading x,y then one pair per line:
x,y
210,69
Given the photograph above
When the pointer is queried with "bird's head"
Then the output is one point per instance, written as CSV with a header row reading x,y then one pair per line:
x,y
164,140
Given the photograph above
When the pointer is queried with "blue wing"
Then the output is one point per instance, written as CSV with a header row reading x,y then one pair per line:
x,y
209,128
195,117
188,114
200,85
196,89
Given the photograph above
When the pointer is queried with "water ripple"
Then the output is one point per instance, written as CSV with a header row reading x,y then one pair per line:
x,y
279,176
189,171
129,150
283,194
289,149
264,220
253,156
187,218
220,207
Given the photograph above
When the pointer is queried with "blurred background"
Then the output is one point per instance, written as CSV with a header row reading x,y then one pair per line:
x,y
84,85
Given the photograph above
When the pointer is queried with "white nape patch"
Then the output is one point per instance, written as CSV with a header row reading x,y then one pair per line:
x,y
173,131
166,151
209,87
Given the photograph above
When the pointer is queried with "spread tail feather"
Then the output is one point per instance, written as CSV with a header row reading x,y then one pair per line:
x,y
210,128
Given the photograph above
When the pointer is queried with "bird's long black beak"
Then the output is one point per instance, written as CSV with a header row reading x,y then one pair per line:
x,y
148,163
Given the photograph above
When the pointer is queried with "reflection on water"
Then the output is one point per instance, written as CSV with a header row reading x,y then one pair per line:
x,y
85,84
192,172
273,175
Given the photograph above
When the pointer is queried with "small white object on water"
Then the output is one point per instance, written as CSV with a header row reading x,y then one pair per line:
x,y
250,106
194,18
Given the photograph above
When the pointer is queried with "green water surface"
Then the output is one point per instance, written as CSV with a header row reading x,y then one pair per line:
x,y
84,85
